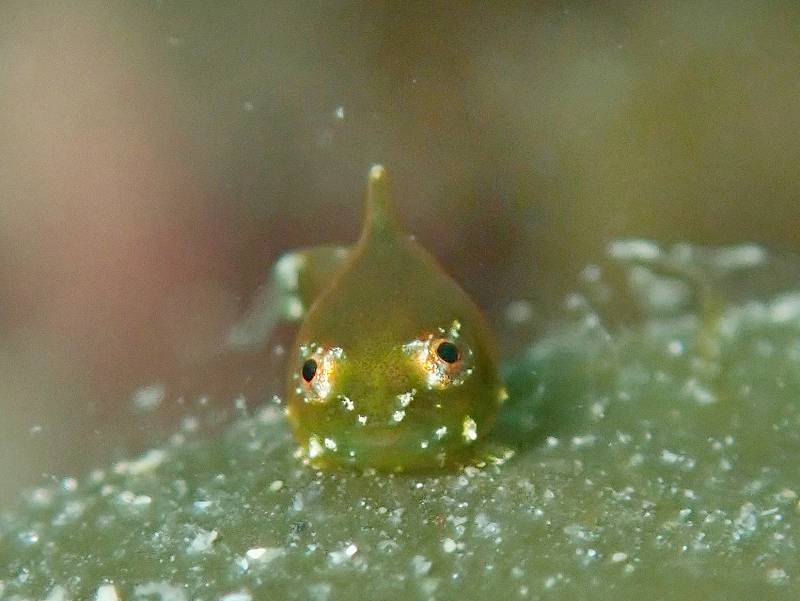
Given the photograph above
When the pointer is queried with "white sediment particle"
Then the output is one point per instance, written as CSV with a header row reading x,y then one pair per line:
x,y
164,591
619,557
362,419
519,311
746,522
315,449
470,429
420,565
202,541
742,256
777,576
288,268
128,497
148,398
671,458
339,557
146,463
107,592
276,485
339,113
675,347
398,415
28,537
347,403
580,442
449,545
57,593
634,250
320,591
785,308
264,555
330,444
406,398
237,596
699,393
441,432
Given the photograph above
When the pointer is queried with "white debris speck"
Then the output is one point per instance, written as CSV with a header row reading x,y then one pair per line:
x,y
288,268
276,485
406,398
634,250
320,591
146,463
742,256
57,593
347,403
330,444
237,596
148,398
420,565
28,537
519,311
264,555
127,497
619,557
163,590
339,557
449,545
314,447
699,393
675,347
107,592
777,576
746,522
470,429
677,459
362,419
441,432
339,113
202,541
785,308
580,442
398,415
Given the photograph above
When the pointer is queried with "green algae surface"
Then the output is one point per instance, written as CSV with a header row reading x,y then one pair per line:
x,y
653,461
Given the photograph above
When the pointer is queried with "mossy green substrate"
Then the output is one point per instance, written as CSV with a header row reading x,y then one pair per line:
x,y
645,470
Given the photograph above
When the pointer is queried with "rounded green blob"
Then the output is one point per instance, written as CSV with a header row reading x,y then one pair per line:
x,y
405,374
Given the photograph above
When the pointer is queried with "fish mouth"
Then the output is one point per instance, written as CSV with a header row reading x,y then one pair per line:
x,y
389,449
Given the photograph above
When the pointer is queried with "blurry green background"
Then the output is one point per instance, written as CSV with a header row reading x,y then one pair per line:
x,y
157,156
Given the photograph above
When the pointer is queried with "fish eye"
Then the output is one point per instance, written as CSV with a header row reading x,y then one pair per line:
x,y
318,371
448,352
441,362
309,370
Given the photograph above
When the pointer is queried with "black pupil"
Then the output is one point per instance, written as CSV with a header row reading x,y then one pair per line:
x,y
447,352
309,370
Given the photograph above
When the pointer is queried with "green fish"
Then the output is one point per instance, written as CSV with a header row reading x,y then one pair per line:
x,y
394,367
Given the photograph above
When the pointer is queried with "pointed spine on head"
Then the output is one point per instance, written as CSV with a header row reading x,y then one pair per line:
x,y
380,218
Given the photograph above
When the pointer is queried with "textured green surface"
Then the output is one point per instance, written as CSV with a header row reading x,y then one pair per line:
x,y
655,462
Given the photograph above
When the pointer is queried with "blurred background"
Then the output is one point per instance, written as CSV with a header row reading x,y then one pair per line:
x,y
158,155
